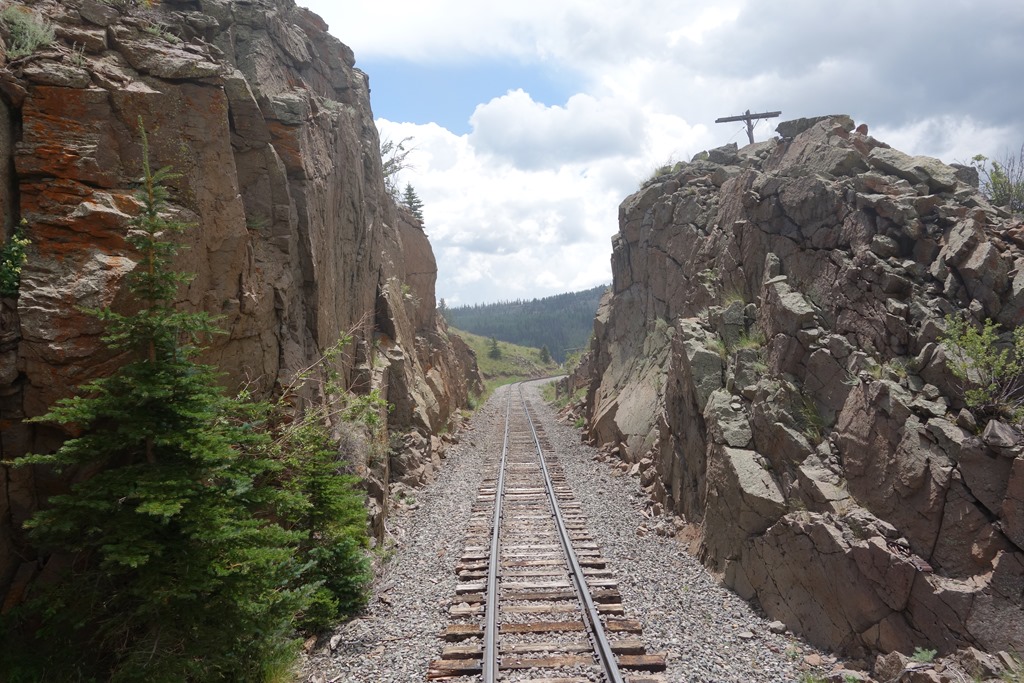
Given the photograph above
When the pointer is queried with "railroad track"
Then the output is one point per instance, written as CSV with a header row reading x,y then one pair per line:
x,y
535,600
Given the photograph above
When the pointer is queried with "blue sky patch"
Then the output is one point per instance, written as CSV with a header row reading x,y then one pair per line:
x,y
447,94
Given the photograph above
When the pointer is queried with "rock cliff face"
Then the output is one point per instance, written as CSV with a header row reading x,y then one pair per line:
x,y
771,356
268,124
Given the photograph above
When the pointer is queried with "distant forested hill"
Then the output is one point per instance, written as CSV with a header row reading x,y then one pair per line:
x,y
563,323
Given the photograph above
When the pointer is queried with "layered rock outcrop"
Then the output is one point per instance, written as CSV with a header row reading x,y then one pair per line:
x,y
268,125
772,357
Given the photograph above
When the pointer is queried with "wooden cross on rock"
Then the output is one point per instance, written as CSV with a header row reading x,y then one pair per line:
x,y
749,119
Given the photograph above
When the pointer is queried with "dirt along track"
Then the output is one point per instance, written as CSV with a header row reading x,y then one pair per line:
x,y
705,632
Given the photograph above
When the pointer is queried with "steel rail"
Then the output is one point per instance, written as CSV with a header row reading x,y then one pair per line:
x,y
490,661
602,646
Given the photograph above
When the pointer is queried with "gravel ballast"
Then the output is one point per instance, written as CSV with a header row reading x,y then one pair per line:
x,y
709,633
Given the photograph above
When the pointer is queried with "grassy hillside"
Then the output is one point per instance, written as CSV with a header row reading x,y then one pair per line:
x,y
515,364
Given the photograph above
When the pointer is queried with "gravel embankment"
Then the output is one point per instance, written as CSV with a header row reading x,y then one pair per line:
x,y
708,632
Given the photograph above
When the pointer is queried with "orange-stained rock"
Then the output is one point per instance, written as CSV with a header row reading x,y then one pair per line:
x,y
293,240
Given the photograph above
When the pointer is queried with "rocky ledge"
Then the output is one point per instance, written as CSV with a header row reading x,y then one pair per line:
x,y
771,359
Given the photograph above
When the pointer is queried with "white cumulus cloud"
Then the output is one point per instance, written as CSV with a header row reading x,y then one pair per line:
x,y
531,135
525,204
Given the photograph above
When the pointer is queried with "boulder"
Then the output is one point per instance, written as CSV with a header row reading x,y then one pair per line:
x,y
702,367
914,169
787,310
805,574
1001,437
727,421
742,500
985,472
794,127
892,467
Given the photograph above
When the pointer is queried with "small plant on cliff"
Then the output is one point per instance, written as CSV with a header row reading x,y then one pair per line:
x,y
812,423
77,55
394,159
923,655
753,339
812,678
28,31
1003,181
670,165
1014,673
719,346
991,373
161,31
12,258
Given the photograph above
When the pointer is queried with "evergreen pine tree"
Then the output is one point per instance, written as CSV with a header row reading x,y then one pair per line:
x,y
325,501
412,202
494,351
172,573
545,355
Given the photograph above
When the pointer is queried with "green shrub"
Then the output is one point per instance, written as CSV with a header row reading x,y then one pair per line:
x,y
750,340
12,258
1003,181
810,677
719,346
394,160
161,31
544,355
326,506
28,31
923,655
812,423
317,450
991,374
671,165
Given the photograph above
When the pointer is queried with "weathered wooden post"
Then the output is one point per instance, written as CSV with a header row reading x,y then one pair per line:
x,y
749,119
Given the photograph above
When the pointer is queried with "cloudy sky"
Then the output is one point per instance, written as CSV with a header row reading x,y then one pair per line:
x,y
532,120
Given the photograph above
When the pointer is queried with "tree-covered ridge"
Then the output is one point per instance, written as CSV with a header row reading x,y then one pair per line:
x,y
561,323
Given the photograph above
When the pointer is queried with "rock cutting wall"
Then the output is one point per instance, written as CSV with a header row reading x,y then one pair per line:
x,y
771,357
268,124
